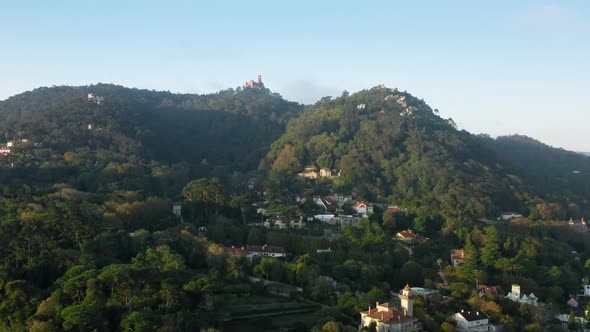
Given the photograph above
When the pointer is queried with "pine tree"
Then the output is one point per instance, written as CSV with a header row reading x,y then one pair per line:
x,y
470,267
491,248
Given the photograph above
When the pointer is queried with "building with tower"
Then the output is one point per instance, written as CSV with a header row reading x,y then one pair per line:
x,y
406,298
253,84
390,319
515,296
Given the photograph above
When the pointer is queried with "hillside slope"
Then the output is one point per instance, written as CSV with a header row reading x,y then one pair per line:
x,y
553,172
390,146
231,128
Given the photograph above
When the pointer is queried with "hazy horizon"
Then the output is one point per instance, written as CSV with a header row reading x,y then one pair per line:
x,y
498,68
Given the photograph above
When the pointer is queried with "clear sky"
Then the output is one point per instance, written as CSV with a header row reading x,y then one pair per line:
x,y
497,67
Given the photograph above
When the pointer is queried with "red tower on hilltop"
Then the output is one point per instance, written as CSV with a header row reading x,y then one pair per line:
x,y
253,84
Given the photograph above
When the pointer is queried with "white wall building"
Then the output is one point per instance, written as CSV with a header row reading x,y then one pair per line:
x,y
515,296
324,217
363,208
510,215
297,223
266,251
473,321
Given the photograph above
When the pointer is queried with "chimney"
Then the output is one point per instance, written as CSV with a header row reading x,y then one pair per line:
x,y
259,79
369,310
377,304
382,318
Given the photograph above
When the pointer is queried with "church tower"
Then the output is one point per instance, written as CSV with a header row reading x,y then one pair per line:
x,y
407,301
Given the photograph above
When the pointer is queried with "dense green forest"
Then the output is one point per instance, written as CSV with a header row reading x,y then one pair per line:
x,y
391,146
228,130
89,241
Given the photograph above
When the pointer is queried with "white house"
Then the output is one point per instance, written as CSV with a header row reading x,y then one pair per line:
x,y
5,150
515,296
280,223
564,319
390,319
326,217
297,223
476,321
510,215
266,251
364,208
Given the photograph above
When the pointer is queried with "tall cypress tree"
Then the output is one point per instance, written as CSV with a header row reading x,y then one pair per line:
x,y
470,267
491,247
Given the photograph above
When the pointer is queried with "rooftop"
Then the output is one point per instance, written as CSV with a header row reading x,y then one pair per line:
x,y
474,315
265,248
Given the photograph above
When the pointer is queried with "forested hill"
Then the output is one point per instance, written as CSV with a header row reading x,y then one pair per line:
x,y
231,128
392,147
552,171
388,145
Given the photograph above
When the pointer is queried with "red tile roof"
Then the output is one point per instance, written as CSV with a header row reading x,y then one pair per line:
x,y
457,254
389,316
362,204
235,251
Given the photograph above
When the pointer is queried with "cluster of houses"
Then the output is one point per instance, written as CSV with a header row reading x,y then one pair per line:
x,y
311,172
331,212
95,99
388,318
515,296
576,304
6,149
469,322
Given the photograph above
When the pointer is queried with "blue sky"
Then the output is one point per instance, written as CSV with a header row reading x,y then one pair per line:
x,y
496,67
